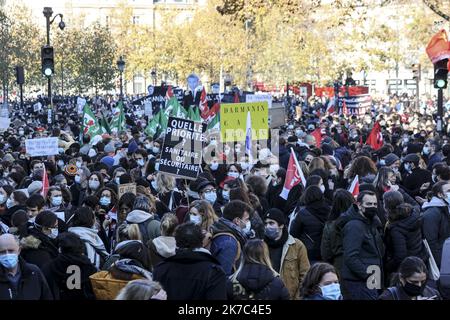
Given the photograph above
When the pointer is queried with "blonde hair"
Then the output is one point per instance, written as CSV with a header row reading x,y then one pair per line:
x,y
207,212
256,251
165,182
169,222
128,231
139,290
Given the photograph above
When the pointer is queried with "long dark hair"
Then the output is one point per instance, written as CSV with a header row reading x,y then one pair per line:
x,y
342,201
310,285
407,268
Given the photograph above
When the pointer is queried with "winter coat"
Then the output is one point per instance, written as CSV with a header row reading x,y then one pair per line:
x,y
32,284
37,248
414,181
284,154
435,158
161,248
95,248
149,226
436,226
6,216
362,244
294,266
191,275
383,215
331,245
403,238
226,244
57,273
273,197
398,293
257,282
308,227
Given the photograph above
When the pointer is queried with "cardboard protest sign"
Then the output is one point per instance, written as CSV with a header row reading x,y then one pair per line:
x,y
233,121
42,147
182,150
126,187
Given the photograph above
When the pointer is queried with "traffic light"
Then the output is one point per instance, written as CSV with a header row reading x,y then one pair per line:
x,y
48,61
20,76
440,74
416,70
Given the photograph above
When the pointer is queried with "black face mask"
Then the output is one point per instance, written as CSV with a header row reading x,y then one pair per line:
x,y
370,213
412,290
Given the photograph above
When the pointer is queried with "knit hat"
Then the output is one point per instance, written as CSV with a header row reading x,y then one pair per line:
x,y
109,161
277,215
412,157
391,158
35,186
132,147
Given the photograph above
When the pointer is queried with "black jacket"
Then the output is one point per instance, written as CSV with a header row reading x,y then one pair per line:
x,y
57,273
284,155
397,293
362,245
273,197
8,213
331,245
256,282
37,248
191,275
32,284
414,181
403,238
436,227
308,227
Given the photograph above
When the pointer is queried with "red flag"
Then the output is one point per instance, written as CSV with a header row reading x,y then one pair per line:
x,y
438,48
331,105
354,187
236,98
294,175
344,107
204,110
317,134
375,138
45,184
169,93
212,112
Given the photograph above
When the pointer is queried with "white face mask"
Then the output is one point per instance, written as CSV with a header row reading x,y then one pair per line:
x,y
56,201
2,198
93,184
9,203
214,166
141,162
77,179
233,174
117,180
154,184
54,233
195,219
322,188
79,164
248,227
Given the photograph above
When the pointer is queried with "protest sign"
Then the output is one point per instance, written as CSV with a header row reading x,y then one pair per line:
x,y
182,149
4,123
126,187
233,121
259,97
148,108
42,147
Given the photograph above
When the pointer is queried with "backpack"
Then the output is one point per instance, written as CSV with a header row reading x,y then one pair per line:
x,y
444,279
238,253
143,228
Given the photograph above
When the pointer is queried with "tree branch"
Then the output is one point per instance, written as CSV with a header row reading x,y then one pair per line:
x,y
436,10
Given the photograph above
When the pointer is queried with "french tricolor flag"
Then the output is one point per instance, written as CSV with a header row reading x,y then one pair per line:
x,y
354,187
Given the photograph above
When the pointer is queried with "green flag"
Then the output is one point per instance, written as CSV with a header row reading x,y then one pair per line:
x,y
118,120
105,125
174,108
194,114
153,125
91,126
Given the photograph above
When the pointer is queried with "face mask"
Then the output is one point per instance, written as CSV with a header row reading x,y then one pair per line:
x,y
448,197
21,132
140,162
322,188
54,233
434,178
148,146
244,165
233,174
91,153
412,290
56,201
155,150
154,184
9,260
298,133
331,291
60,163
382,162
213,143
408,167
426,150
2,198
77,179
79,164
211,197
370,213
117,180
94,184
214,166
247,227
105,201
9,203
157,166
195,219
272,232
226,195
395,170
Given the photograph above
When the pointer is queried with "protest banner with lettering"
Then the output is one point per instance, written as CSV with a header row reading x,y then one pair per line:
x,y
259,97
42,147
126,187
182,149
233,120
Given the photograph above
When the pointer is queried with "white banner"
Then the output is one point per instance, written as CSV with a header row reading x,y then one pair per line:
x,y
148,111
4,123
42,147
259,98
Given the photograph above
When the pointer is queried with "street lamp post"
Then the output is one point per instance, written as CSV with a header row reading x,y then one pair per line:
x,y
121,67
153,74
48,12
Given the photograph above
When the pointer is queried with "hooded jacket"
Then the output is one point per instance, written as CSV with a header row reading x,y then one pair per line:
x,y
161,248
191,275
257,282
403,238
362,244
436,226
95,248
37,248
150,228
